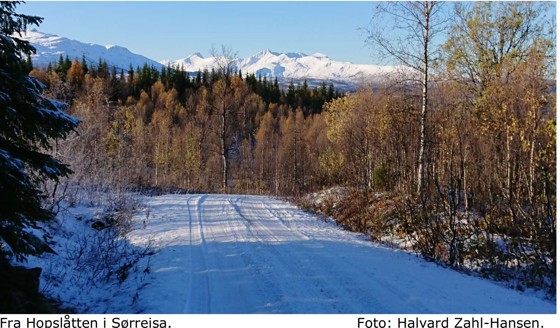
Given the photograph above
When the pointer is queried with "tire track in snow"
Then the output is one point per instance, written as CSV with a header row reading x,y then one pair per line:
x,y
260,253
340,281
366,272
199,281
353,272
343,284
358,281
318,293
261,274
251,254
235,284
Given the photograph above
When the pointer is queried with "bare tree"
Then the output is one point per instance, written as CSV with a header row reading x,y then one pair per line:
x,y
222,91
224,60
406,32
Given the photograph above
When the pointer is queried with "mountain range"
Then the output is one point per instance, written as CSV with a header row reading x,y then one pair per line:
x,y
49,48
291,66
287,66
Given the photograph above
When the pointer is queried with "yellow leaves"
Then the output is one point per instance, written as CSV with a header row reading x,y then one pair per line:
x,y
336,113
491,40
129,119
118,136
111,144
547,152
331,162
75,74
192,152
364,114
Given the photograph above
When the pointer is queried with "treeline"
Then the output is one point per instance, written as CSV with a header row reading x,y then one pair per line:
x,y
217,131
132,81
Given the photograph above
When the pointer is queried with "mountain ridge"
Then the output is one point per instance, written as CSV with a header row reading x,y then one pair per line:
x,y
49,47
288,66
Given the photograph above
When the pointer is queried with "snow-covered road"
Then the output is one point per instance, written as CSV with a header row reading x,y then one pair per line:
x,y
250,254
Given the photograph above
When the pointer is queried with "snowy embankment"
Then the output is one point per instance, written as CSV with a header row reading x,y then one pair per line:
x,y
250,254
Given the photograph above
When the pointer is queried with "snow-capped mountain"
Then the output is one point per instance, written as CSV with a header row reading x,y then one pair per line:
x,y
49,48
288,66
291,66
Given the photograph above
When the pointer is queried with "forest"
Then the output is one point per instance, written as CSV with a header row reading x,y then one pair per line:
x,y
139,131
453,158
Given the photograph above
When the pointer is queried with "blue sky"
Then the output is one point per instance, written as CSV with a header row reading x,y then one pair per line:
x,y
173,30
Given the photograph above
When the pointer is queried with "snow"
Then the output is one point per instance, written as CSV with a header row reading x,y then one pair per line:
x,y
49,48
267,63
11,161
320,55
292,66
251,254
4,97
75,276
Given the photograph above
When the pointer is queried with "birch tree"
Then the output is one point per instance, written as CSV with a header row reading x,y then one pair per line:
x,y
406,32
223,93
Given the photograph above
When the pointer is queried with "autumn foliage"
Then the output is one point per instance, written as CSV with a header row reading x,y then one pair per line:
x,y
489,160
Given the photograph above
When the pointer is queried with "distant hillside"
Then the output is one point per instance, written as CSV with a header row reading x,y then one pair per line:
x,y
291,66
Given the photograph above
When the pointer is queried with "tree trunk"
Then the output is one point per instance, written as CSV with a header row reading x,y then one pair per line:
x,y
294,160
276,181
423,115
224,152
157,160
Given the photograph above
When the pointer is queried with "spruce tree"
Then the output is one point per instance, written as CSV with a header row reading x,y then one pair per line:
x,y
59,69
67,64
84,64
29,123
